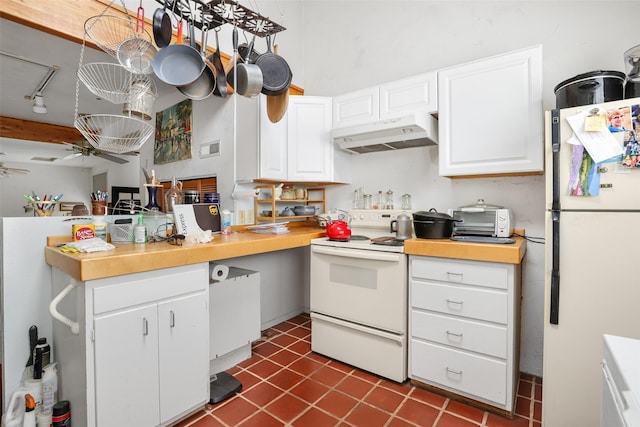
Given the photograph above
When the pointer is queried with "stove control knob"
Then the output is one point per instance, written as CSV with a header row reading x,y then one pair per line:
x,y
362,217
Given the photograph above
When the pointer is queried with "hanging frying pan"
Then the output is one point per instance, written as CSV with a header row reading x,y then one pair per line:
x,y
276,74
221,79
204,85
162,26
178,64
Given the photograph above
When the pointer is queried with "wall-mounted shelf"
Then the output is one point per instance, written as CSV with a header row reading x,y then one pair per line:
x,y
315,197
217,12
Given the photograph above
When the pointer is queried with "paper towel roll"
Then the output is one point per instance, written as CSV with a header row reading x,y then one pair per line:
x,y
218,271
245,194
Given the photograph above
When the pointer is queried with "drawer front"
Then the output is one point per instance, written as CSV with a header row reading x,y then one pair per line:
x,y
475,303
463,334
130,290
473,375
492,275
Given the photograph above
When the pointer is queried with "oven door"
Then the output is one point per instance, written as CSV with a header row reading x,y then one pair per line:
x,y
361,286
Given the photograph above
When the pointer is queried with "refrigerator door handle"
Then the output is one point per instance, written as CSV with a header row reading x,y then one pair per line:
x,y
555,148
555,268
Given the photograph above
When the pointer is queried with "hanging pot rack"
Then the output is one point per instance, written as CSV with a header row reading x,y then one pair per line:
x,y
215,13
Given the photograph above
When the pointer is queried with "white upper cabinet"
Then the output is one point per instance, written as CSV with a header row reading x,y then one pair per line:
x,y
401,97
390,100
490,116
299,147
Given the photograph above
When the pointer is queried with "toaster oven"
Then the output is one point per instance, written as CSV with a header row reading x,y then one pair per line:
x,y
482,221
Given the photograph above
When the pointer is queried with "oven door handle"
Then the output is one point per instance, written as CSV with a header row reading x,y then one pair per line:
x,y
399,339
355,253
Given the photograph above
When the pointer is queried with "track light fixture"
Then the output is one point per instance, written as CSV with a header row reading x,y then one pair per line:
x,y
38,104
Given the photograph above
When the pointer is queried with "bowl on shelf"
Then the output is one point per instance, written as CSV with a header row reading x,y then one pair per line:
x,y
267,213
304,210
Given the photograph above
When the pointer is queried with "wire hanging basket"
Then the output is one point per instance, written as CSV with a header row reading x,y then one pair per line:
x,y
135,54
114,133
109,31
107,80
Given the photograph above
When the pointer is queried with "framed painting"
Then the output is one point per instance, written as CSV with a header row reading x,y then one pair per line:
x,y
173,133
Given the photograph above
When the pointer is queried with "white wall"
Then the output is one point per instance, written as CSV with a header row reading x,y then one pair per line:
x,y
73,182
354,44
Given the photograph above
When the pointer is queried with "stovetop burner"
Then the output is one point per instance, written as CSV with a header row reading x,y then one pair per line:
x,y
358,237
391,242
352,238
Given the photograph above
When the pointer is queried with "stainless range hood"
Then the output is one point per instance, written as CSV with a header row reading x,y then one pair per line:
x,y
413,130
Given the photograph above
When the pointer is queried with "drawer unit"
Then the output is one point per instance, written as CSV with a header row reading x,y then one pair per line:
x,y
464,334
487,274
469,373
463,324
475,303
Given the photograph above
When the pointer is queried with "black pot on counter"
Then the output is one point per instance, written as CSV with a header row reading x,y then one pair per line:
x,y
432,224
594,87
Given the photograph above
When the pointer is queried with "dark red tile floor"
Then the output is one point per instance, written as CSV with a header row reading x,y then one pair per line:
x,y
285,384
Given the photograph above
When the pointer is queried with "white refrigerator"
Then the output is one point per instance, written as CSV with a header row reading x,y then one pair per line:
x,y
592,268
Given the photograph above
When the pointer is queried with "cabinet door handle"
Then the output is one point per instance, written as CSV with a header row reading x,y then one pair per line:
x,y
145,326
451,371
451,301
172,319
454,334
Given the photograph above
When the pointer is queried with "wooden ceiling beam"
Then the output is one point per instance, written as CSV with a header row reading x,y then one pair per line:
x,y
36,131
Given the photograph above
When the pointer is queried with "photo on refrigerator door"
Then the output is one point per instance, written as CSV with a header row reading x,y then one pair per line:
x,y
584,179
630,158
619,119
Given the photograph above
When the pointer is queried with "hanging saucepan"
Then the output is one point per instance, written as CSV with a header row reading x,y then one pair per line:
x,y
221,78
276,74
245,78
162,26
205,84
178,64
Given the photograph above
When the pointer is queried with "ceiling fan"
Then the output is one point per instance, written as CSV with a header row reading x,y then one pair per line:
x,y
83,148
7,171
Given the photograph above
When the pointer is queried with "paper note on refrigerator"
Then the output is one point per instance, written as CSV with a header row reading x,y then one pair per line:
x,y
600,145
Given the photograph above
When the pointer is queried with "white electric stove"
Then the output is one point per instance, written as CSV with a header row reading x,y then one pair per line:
x,y
359,296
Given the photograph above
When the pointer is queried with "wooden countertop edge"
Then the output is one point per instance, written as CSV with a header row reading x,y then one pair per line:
x,y
130,258
446,248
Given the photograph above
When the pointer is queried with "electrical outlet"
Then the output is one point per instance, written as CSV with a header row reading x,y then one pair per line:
x,y
251,218
241,216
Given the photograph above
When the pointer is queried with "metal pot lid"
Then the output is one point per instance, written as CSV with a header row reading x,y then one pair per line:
x,y
480,203
590,75
431,214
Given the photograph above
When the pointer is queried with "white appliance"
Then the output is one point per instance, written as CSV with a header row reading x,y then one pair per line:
x,y
591,281
359,296
620,382
413,130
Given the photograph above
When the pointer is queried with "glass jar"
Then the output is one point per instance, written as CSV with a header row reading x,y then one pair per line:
x,y
406,201
173,196
389,200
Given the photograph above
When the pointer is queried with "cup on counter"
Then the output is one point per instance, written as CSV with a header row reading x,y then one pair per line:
x,y
99,207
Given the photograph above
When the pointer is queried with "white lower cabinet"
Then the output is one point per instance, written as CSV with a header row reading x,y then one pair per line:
x,y
463,324
142,355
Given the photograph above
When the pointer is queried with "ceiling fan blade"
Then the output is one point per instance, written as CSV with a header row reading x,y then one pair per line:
x,y
71,156
111,158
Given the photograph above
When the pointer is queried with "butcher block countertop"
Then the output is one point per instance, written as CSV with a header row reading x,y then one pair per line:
x,y
512,253
130,258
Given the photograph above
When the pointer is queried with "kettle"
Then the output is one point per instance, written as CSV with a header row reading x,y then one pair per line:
x,y
402,227
338,230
